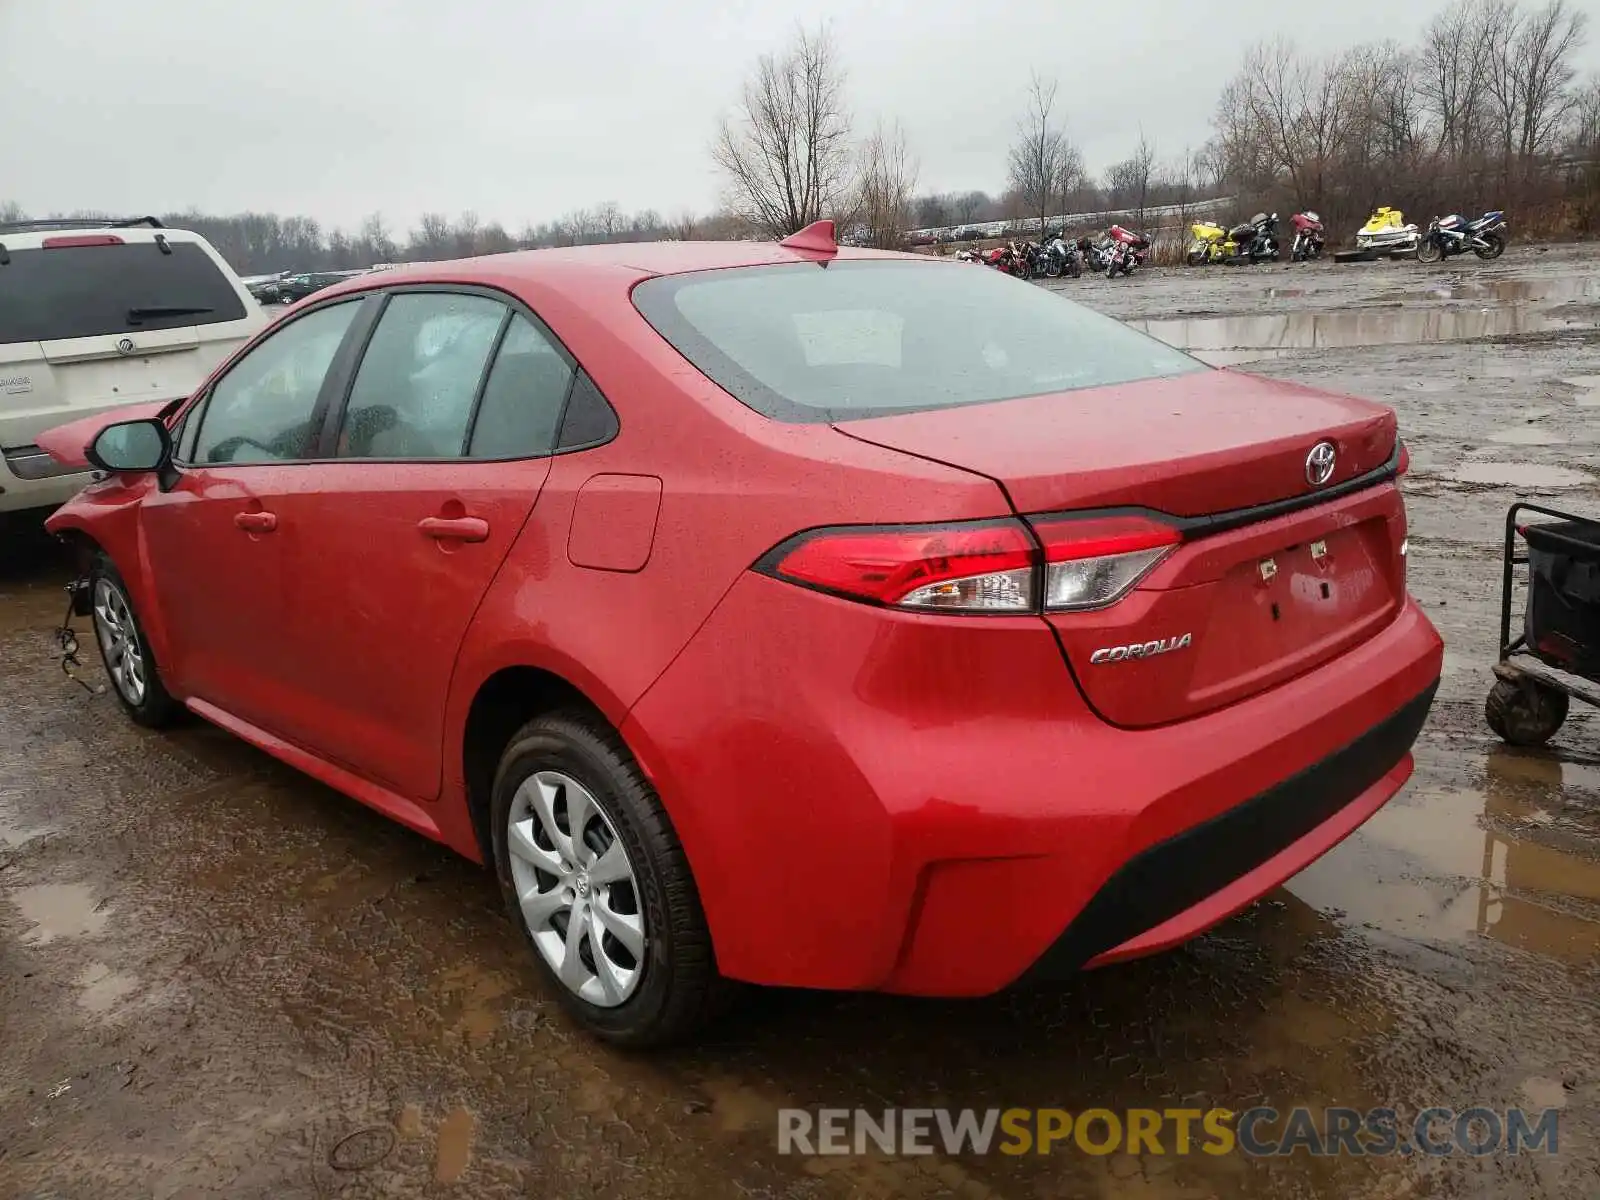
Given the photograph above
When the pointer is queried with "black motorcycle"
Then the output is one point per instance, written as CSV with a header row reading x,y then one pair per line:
x,y
1256,238
1061,257
1452,235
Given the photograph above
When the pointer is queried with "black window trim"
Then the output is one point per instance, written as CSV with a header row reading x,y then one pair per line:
x,y
516,305
340,380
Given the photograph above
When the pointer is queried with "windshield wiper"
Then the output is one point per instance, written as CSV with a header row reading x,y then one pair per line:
x,y
135,315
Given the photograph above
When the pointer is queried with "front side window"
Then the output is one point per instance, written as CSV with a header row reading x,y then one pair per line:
x,y
263,409
865,338
414,392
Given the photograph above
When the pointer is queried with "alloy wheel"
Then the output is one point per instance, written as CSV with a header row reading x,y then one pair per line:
x,y
119,641
576,888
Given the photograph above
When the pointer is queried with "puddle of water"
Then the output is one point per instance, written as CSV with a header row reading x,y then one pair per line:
x,y
1444,865
1588,390
103,989
13,833
1347,328
1519,475
1549,288
58,910
1527,435
455,1145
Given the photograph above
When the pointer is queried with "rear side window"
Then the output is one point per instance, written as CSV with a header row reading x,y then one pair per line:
x,y
262,410
523,399
802,342
414,391
90,291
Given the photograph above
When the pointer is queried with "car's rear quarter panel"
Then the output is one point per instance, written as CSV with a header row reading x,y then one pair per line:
x,y
734,484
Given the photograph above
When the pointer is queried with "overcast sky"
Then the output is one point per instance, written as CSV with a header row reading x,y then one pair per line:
x,y
523,109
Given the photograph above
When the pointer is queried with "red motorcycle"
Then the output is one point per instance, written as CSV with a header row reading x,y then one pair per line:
x,y
1128,251
1308,237
1008,258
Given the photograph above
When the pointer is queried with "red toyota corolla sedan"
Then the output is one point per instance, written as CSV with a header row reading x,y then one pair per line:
x,y
778,613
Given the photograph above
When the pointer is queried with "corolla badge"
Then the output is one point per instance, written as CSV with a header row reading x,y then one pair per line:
x,y
1166,645
126,346
1319,463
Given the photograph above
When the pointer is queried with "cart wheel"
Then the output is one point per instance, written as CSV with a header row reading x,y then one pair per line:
x,y
1525,713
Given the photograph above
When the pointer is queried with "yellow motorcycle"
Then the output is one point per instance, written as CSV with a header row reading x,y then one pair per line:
x,y
1211,244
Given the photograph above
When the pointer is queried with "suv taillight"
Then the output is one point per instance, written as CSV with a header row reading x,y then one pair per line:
x,y
1004,566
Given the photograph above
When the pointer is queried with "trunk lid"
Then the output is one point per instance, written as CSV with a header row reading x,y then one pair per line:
x,y
1191,445
1241,604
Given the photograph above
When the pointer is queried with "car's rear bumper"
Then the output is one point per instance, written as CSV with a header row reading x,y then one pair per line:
x,y
926,805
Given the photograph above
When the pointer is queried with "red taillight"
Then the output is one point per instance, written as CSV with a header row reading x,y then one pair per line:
x,y
980,566
1404,464
82,239
1094,561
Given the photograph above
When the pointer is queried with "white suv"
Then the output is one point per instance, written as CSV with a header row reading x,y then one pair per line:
x,y
95,315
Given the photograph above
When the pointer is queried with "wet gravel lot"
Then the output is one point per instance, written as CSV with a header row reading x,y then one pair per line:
x,y
218,978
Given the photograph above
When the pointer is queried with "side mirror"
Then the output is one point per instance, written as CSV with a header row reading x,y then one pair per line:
x,y
131,446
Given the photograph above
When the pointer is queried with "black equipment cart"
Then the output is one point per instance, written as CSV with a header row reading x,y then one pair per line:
x,y
1557,654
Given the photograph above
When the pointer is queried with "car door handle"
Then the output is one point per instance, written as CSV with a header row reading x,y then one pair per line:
x,y
256,522
455,529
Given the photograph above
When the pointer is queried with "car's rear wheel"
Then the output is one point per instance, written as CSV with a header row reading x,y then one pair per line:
x,y
125,650
593,873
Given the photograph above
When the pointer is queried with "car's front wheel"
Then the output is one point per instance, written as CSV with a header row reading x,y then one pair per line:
x,y
593,873
125,650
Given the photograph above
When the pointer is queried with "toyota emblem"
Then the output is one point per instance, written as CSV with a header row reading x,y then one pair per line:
x,y
1319,464
125,346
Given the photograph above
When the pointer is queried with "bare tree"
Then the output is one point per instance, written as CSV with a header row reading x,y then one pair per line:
x,y
1583,133
608,220
1545,47
1453,64
10,210
1129,180
787,154
685,227
888,177
1042,160
968,205
465,234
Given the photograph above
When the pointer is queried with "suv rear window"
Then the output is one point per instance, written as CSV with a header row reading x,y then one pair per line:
x,y
799,342
87,291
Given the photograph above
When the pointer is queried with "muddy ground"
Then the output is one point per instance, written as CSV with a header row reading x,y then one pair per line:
x,y
220,979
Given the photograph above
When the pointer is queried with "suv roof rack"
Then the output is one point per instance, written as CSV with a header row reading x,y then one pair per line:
x,y
77,223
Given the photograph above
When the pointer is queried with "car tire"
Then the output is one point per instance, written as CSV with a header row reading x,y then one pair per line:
x,y
131,667
674,987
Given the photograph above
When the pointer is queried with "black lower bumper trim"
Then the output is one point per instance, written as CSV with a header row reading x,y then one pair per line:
x,y
1172,876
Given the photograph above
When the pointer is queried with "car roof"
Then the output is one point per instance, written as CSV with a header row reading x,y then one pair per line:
x,y
33,239
586,270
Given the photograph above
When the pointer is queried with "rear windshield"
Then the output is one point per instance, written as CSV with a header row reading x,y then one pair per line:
x,y
802,342
86,291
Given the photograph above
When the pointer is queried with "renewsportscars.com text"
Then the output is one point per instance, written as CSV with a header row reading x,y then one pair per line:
x,y
1256,1132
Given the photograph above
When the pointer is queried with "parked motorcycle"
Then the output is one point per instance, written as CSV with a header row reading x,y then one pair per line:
x,y
1061,257
1308,237
1453,235
1211,244
1128,251
1256,239
1096,253
1386,232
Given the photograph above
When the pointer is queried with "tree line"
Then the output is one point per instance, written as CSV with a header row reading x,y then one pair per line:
x,y
1486,109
